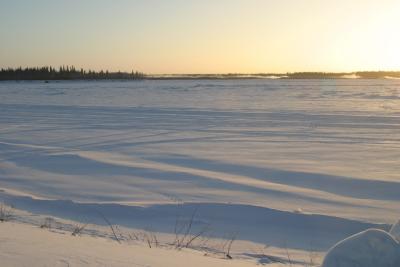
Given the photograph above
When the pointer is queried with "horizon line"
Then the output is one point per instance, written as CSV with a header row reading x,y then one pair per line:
x,y
197,73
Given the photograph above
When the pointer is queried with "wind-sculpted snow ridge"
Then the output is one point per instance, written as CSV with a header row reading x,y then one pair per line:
x,y
257,224
370,248
85,176
395,230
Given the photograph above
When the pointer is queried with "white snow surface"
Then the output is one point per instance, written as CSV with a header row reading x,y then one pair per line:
x,y
298,164
26,245
370,248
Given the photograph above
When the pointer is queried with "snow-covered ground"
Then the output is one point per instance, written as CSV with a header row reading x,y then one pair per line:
x,y
370,248
26,245
292,164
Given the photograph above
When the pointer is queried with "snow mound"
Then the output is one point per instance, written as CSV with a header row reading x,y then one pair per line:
x,y
395,231
370,248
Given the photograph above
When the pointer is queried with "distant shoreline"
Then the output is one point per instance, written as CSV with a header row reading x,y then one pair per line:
x,y
71,73
188,79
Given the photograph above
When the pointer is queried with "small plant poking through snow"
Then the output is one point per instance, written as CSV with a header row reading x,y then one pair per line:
x,y
78,229
228,245
313,258
47,223
288,256
6,213
112,227
184,234
149,237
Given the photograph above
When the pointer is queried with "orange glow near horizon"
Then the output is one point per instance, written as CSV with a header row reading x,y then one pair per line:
x,y
207,36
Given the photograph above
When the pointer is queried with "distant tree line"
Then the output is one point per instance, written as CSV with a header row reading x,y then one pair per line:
x,y
315,75
71,73
378,74
289,75
339,75
65,73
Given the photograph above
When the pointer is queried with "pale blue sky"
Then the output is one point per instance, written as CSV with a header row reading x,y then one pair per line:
x,y
183,36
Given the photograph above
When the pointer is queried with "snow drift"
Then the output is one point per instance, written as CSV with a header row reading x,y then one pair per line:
x,y
395,231
370,248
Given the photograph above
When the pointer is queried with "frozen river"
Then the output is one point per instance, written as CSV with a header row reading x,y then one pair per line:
x,y
328,147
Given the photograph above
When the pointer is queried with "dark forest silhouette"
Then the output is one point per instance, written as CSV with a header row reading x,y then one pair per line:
x,y
65,73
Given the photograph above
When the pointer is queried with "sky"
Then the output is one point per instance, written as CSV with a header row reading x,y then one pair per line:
x,y
202,36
